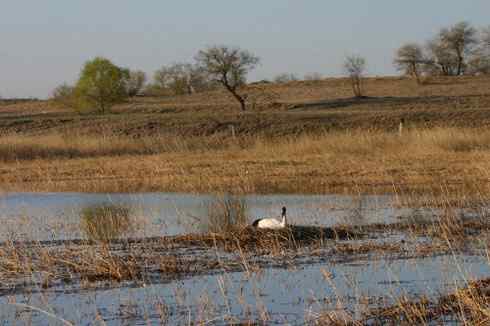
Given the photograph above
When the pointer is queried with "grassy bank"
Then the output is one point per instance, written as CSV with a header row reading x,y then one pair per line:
x,y
374,161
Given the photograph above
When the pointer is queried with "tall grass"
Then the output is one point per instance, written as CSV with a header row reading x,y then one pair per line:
x,y
318,163
14,148
358,143
105,222
225,214
352,143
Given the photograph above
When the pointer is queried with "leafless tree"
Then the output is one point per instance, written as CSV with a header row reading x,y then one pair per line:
x,y
64,95
442,60
485,36
135,82
285,78
355,67
480,59
452,47
410,59
182,78
173,78
228,66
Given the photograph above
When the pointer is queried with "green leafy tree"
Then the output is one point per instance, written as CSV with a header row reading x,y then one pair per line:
x,y
101,85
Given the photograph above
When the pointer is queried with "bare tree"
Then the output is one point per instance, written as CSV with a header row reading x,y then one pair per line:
x,y
480,60
285,78
355,67
410,59
64,95
136,81
229,66
442,60
485,36
460,40
161,78
479,64
182,78
198,79
172,77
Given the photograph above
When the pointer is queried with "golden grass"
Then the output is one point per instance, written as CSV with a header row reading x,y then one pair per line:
x,y
449,165
422,159
468,305
355,143
19,147
105,222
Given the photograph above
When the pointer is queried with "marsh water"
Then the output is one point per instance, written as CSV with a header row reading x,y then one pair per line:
x,y
292,293
56,216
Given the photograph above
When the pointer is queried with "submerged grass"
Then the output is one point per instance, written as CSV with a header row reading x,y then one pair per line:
x,y
226,214
105,222
116,263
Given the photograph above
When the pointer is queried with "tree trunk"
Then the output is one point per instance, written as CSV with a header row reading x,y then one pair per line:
x,y
242,103
356,86
239,99
460,66
415,73
460,61
237,96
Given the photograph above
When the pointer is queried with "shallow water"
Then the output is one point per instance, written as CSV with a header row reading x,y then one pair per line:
x,y
50,216
291,295
283,296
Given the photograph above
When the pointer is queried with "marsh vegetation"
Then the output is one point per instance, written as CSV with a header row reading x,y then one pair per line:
x,y
343,268
385,227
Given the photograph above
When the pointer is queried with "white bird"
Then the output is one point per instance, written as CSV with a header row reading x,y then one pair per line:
x,y
271,223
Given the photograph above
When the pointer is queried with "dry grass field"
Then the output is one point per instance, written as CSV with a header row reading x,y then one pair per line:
x,y
299,137
308,137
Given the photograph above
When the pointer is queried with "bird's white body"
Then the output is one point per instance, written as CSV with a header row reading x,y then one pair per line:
x,y
272,223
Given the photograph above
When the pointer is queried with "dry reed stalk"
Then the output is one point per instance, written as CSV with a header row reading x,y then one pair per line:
x,y
428,161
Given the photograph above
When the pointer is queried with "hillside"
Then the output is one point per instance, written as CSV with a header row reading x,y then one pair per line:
x,y
299,137
275,110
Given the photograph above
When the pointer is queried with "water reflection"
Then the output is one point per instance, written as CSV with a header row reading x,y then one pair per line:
x,y
288,297
49,216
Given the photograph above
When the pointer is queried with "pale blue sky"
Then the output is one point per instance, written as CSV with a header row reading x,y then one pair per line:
x,y
45,42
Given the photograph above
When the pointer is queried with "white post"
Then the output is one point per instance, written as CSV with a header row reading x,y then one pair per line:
x,y
400,127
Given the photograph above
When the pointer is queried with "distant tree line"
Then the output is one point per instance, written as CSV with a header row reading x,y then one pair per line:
x,y
460,49
455,50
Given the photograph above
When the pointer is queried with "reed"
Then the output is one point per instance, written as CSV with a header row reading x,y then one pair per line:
x,y
105,222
